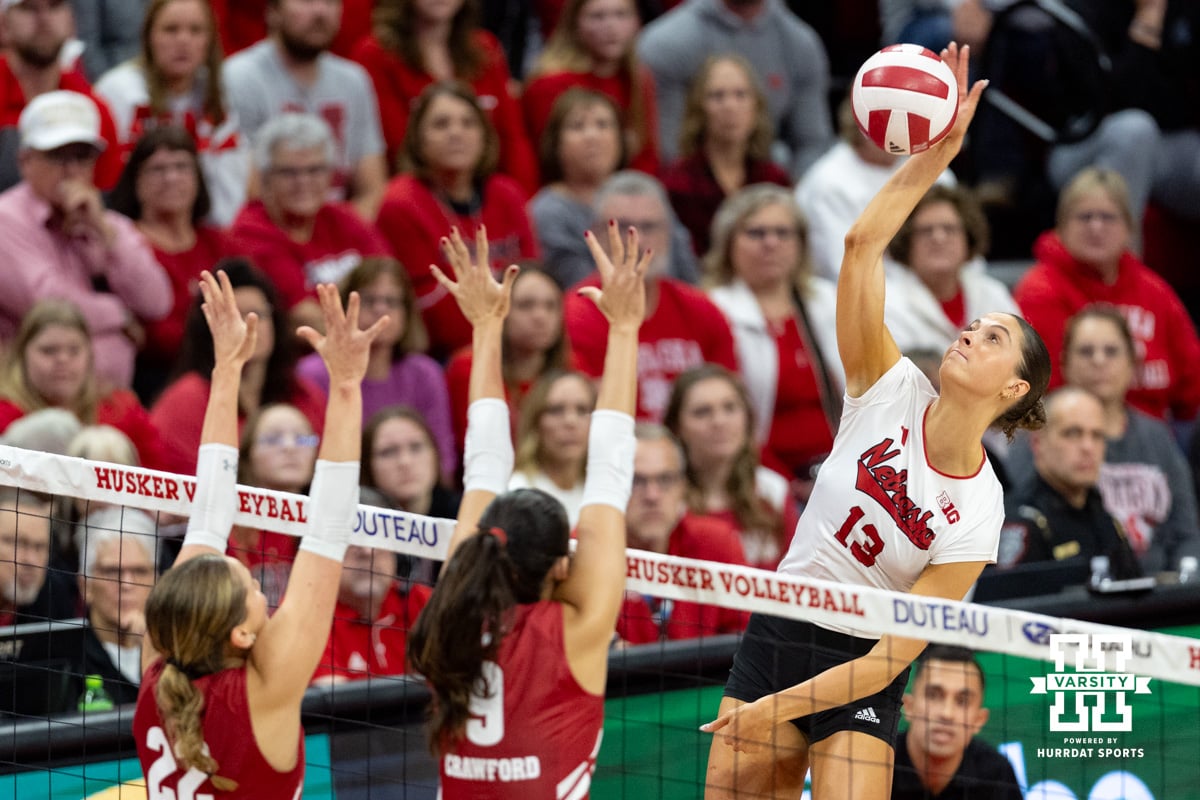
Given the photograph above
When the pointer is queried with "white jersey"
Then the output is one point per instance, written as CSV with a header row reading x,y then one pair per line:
x,y
879,513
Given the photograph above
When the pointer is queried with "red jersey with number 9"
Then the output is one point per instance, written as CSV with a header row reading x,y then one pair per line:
x,y
229,737
536,732
879,513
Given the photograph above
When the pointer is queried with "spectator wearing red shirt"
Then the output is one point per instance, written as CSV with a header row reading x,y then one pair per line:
x,y
1086,259
50,365
682,329
293,233
710,413
374,613
593,47
782,317
450,156
34,34
268,376
415,44
534,345
658,520
163,191
725,144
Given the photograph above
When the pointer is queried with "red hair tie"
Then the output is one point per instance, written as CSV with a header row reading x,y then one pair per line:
x,y
500,535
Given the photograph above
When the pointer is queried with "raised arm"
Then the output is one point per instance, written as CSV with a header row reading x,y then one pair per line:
x,y
488,456
596,583
291,643
866,347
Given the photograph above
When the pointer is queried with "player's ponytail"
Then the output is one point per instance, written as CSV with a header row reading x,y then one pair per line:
x,y
190,614
521,535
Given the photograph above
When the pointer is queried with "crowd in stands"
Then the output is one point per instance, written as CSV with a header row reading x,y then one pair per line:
x,y
292,142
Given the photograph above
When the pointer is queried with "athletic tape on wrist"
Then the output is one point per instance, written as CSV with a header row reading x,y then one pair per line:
x,y
216,497
611,446
332,505
488,455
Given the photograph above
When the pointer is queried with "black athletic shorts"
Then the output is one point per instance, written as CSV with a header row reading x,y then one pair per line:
x,y
778,653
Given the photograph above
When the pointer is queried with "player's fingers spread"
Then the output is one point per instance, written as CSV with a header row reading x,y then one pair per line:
x,y
615,243
441,278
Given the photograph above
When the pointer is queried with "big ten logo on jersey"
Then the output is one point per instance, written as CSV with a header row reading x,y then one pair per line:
x,y
947,507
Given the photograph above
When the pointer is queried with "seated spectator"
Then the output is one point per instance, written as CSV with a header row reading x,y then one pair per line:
x,y
109,31
710,413
781,314
940,754
116,572
658,520
176,80
293,71
29,590
51,365
163,191
278,451
1059,515
50,430
243,23
293,233
552,439
838,186
782,48
450,152
937,280
400,460
398,371
725,144
594,46
35,35
1086,259
375,610
59,240
682,328
415,44
268,377
534,346
579,150
1145,481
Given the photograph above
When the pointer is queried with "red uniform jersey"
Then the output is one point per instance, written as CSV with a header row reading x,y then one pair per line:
x,y
537,734
358,648
684,330
228,735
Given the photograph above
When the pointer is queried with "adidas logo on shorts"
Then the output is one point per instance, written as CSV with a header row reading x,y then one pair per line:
x,y
867,715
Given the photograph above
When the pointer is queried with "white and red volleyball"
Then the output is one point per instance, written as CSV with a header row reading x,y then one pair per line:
x,y
905,98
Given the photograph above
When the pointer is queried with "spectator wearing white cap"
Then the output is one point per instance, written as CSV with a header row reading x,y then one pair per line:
x,y
58,240
38,37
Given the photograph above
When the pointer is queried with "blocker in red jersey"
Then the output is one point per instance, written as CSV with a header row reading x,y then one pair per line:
x,y
905,98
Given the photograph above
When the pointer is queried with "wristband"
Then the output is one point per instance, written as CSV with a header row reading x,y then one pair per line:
x,y
332,506
611,446
216,493
488,455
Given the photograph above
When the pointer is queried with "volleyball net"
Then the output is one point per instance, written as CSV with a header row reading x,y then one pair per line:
x,y
1079,709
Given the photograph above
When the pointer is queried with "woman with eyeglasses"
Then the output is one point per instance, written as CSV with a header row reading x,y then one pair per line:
x,y
1145,481
938,282
268,375
398,372
759,274
278,451
1087,259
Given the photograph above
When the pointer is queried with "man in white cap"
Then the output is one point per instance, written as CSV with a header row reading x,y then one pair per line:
x,y
58,240
35,33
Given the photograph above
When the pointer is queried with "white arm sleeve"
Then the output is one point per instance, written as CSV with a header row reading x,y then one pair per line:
x,y
216,496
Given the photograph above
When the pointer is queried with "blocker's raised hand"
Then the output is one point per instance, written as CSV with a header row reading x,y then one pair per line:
x,y
621,297
479,296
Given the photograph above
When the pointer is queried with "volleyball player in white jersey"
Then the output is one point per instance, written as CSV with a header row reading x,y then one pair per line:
x,y
906,501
